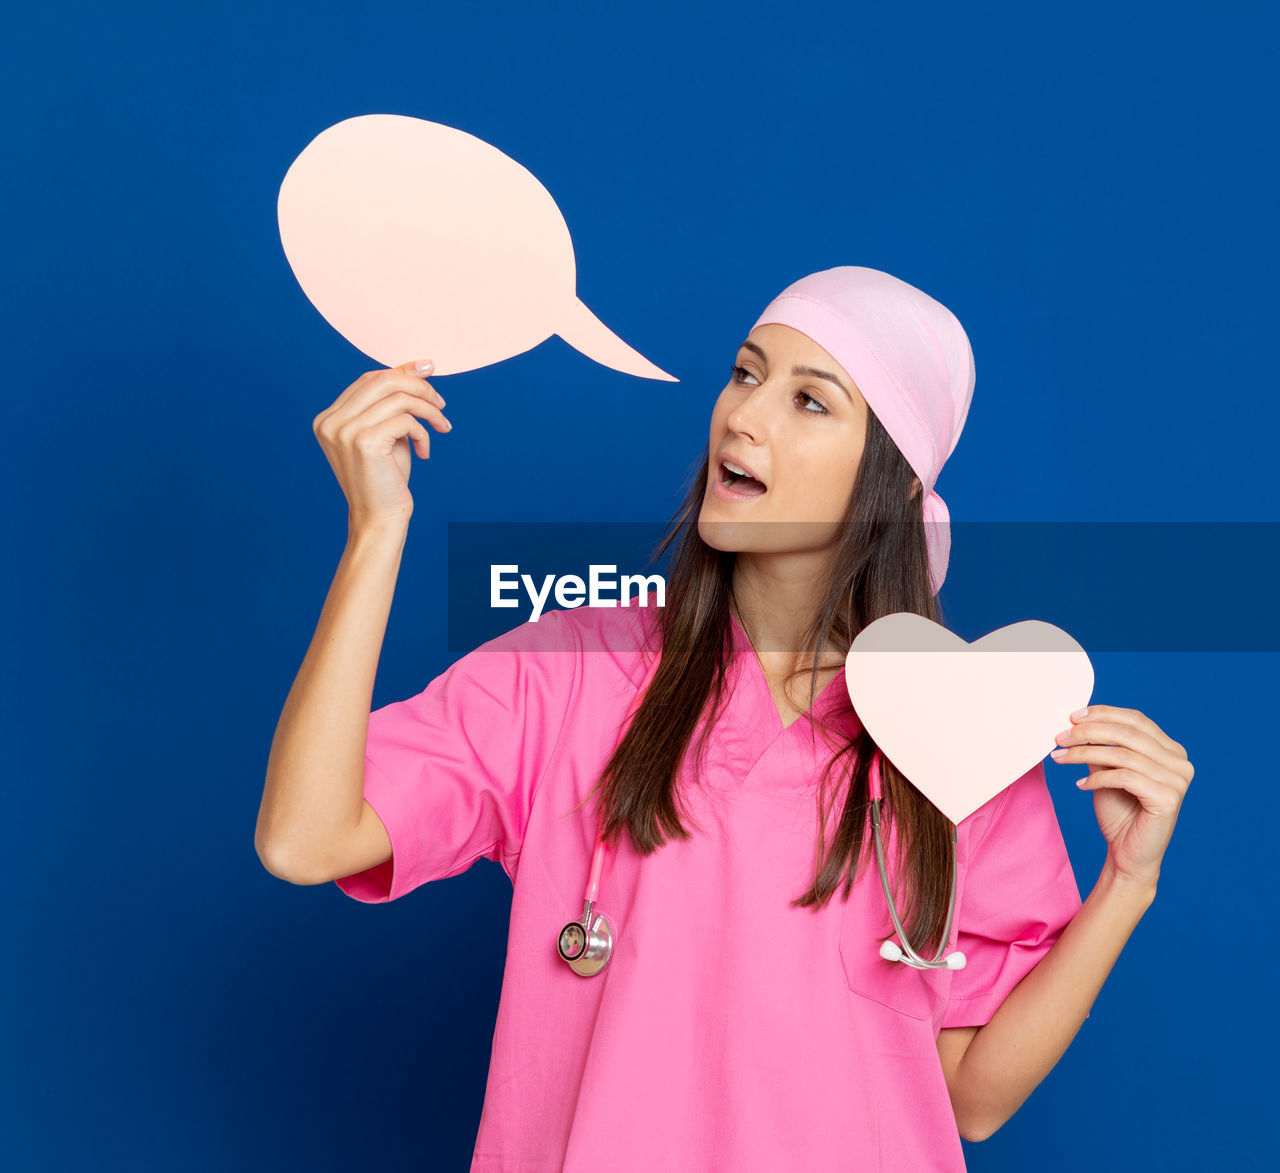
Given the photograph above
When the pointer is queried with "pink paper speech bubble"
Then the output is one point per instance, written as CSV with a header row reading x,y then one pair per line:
x,y
418,240
962,721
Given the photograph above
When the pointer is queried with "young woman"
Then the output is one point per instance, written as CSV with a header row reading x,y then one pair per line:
x,y
745,1018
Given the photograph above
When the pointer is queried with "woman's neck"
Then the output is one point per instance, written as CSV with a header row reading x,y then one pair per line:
x,y
775,597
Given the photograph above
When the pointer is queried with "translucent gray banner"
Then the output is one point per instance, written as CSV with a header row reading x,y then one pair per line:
x,y
1113,586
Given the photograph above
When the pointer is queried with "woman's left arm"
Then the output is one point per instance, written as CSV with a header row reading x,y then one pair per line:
x,y
1139,776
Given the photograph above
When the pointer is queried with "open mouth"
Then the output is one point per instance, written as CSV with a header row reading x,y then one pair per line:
x,y
732,477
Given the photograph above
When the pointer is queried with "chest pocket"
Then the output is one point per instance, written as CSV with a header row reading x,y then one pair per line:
x,y
901,987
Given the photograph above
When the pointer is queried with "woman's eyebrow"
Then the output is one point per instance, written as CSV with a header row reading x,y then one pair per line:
x,y
813,372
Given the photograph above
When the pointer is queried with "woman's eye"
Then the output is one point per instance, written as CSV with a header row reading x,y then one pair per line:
x,y
737,373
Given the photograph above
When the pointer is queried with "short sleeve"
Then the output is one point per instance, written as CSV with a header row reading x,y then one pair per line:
x,y
452,772
1019,894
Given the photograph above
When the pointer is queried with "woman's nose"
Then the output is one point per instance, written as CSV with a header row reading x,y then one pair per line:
x,y
748,418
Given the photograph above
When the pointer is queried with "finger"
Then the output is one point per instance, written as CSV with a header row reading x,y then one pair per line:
x,y
416,372
397,404
1135,720
395,381
421,438
1101,732
356,385
402,401
1155,798
380,440
1121,758
377,385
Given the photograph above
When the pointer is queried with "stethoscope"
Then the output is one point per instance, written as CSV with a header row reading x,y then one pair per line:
x,y
891,950
587,943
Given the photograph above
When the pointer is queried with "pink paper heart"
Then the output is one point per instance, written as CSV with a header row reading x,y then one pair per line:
x,y
962,720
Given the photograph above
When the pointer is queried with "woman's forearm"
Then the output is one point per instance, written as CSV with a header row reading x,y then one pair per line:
x,y
314,787
1027,1035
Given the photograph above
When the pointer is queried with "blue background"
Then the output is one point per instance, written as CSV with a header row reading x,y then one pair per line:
x,y
1089,187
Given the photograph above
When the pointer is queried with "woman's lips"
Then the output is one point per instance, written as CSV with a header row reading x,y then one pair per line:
x,y
725,493
737,465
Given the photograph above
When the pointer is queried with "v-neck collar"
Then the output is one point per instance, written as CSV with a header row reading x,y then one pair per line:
x,y
827,699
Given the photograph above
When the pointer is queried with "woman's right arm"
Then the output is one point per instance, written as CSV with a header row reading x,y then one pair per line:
x,y
313,823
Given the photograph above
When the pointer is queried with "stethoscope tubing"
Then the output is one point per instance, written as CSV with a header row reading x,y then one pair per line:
x,y
941,960
588,951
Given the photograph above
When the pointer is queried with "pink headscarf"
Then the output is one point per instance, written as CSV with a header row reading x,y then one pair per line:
x,y
910,358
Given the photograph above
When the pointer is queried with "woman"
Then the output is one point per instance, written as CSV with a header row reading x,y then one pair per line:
x,y
745,1019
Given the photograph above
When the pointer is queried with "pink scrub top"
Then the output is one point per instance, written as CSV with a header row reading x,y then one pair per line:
x,y
729,1030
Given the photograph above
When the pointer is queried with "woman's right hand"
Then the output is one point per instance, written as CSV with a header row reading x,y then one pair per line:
x,y
366,434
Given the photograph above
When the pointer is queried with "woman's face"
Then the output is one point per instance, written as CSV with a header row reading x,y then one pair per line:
x,y
793,418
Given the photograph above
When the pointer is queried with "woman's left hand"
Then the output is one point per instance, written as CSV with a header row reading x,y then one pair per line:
x,y
1138,775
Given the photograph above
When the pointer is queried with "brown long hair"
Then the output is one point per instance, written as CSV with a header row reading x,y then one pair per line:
x,y
879,566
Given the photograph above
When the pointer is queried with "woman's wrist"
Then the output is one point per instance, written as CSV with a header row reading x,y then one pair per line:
x,y
1115,884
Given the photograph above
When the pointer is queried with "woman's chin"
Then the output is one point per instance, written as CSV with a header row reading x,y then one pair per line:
x,y
727,536
732,535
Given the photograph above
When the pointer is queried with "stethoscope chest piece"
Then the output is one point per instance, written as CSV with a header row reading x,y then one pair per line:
x,y
586,949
